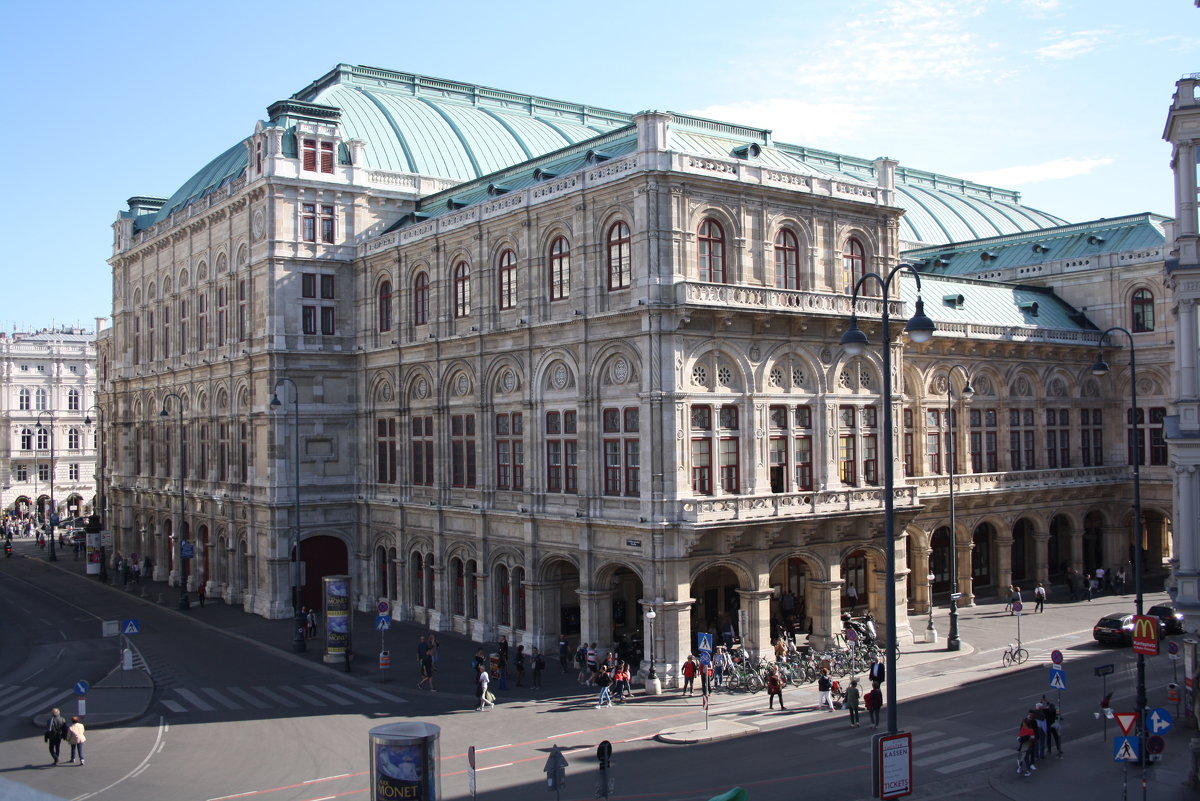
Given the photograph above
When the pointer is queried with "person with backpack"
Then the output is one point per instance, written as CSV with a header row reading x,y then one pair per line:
x,y
56,732
603,681
825,688
1039,597
774,688
873,701
519,664
721,663
852,697
539,664
581,654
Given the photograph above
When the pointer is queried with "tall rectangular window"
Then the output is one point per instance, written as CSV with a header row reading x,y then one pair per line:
x,y
308,222
317,157
223,451
1091,437
802,448
510,451
202,321
241,310
385,450
462,450
327,224
422,451
910,459
222,319
1021,432
1058,438
73,472
983,441
243,452
622,451
1158,442
933,440
562,452
328,321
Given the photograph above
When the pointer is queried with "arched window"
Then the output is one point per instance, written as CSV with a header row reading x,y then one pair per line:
x,y
711,252
503,600
43,439
421,299
462,289
418,580
560,268
854,263
506,270
385,306
42,399
25,399
620,260
1142,308
26,439
459,571
73,439
73,400
787,260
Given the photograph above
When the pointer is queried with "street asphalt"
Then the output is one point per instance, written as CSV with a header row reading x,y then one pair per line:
x,y
1087,771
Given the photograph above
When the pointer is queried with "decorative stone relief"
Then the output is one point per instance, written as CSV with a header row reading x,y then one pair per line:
x,y
799,379
385,392
559,376
422,388
508,381
700,375
258,224
724,376
462,386
826,356
938,385
1057,389
620,371
864,379
1021,388
983,386
1090,388
844,379
776,377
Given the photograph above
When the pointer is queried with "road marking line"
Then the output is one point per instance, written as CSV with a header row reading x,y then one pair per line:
x,y
34,702
304,699
220,699
356,694
980,760
631,722
195,700
493,767
568,734
327,693
385,696
966,750
173,706
237,795
248,698
492,748
154,749
326,778
276,697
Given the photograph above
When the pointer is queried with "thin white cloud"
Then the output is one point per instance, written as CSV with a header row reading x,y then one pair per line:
x,y
1039,8
1072,45
794,120
1067,167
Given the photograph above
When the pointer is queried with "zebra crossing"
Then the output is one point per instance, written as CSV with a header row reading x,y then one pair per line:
x,y
25,700
188,700
940,751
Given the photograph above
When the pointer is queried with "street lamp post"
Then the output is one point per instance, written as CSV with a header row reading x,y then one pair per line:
x,y
184,556
953,643
1100,368
100,508
919,329
651,676
298,643
52,518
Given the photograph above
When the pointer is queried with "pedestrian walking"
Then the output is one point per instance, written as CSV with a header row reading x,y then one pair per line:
x,y
853,695
422,649
434,649
1054,723
1073,584
201,593
484,695
56,732
1039,597
76,736
873,701
310,623
1090,586
774,688
877,673
1014,598
825,688
1101,576
689,675
604,682
1119,581
519,665
564,654
1026,743
620,687
539,664
721,663
426,670
852,595
581,663
592,664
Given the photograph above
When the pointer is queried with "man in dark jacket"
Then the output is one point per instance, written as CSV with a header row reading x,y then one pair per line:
x,y
878,671
56,732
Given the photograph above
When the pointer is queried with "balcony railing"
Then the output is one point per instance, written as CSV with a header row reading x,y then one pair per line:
x,y
751,298
823,503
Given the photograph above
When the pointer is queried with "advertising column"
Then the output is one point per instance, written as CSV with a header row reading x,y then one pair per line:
x,y
336,593
404,762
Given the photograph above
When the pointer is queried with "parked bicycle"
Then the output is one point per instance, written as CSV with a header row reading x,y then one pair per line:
x,y
1014,655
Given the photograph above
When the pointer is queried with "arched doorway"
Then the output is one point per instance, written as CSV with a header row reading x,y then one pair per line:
x,y
790,606
322,556
856,573
941,560
560,600
982,543
1093,542
1058,547
625,612
1024,558
717,603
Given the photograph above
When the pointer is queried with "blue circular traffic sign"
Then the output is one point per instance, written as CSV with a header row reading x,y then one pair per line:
x,y
81,687
1017,606
1155,744
1056,656
1172,647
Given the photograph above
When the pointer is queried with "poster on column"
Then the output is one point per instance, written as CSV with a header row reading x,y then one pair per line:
x,y
337,616
92,550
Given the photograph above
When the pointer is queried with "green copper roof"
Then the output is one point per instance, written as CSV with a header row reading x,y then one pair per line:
x,y
991,303
1137,232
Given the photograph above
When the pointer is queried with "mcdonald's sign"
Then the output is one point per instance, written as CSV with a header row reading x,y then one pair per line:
x,y
1145,635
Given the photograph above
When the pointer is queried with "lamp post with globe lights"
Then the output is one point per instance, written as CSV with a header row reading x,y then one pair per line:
x,y
953,643
920,329
298,643
653,686
182,549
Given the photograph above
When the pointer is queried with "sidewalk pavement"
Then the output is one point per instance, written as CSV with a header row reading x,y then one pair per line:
x,y
1087,772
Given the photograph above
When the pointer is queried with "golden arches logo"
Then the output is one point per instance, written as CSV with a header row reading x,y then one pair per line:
x,y
1145,628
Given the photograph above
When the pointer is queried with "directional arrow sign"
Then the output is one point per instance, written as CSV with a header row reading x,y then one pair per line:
x,y
1058,678
81,687
555,770
1159,721
1125,720
1125,749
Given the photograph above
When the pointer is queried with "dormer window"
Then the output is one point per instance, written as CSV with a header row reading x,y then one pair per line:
x,y
318,156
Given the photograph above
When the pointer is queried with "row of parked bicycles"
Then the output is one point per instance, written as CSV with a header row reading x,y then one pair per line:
x,y
804,666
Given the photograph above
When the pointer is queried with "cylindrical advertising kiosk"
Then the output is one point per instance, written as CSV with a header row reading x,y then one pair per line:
x,y
404,762
336,594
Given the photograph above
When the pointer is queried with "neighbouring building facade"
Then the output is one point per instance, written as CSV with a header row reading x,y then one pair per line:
x,y
48,404
546,366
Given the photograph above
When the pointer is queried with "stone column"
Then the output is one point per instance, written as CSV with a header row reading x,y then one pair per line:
x,y
1041,558
1003,566
441,616
483,627
595,617
756,608
672,638
823,599
966,583
922,596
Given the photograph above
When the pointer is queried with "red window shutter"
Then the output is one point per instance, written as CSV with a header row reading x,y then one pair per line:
x,y
310,154
327,157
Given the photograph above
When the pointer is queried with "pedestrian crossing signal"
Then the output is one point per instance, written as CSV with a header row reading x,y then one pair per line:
x,y
1125,749
130,627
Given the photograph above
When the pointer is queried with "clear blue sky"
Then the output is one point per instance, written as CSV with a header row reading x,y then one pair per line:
x,y
1062,100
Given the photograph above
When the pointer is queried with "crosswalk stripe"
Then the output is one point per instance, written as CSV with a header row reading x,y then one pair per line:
x,y
982,759
13,691
337,699
276,697
356,694
385,696
173,706
28,701
195,700
248,698
220,699
942,756
46,704
305,699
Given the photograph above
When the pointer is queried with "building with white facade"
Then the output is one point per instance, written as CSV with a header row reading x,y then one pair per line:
x,y
48,453
558,364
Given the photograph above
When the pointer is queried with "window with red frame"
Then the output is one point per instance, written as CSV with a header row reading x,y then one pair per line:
x,y
710,251
701,456
1158,442
870,445
462,450
1142,311
317,155
854,263
384,302
308,222
933,441
560,268
462,289
421,299
847,450
620,257
385,450
562,452
507,274
622,454
510,451
422,451
778,447
787,260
